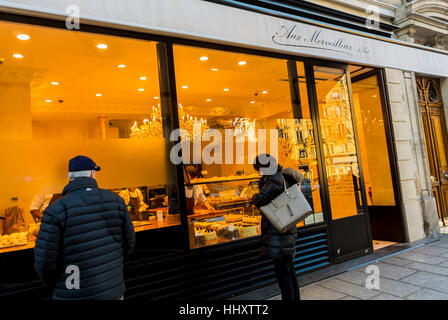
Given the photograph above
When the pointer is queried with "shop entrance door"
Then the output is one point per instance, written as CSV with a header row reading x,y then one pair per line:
x,y
376,153
434,127
342,174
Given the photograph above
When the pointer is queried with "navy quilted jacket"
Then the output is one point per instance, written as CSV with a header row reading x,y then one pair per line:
x,y
89,228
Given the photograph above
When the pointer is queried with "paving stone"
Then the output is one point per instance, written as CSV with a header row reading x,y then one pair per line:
x,y
393,272
316,292
444,264
349,298
396,261
348,288
384,296
277,297
427,294
357,277
397,288
428,280
431,250
422,258
441,243
429,267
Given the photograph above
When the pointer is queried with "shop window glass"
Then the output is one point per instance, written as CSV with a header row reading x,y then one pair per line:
x,y
222,91
338,139
372,142
66,95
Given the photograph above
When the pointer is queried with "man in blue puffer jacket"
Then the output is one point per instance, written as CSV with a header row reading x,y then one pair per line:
x,y
83,238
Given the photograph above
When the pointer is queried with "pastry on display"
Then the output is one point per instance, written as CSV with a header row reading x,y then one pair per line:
x,y
247,230
228,232
252,219
210,235
13,239
199,239
233,217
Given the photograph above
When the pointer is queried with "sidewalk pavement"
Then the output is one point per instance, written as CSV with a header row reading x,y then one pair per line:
x,y
416,274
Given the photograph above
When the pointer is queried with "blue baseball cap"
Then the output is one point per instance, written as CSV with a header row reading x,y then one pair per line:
x,y
82,163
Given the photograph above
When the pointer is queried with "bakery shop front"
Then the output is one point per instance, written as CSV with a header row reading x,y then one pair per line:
x,y
116,91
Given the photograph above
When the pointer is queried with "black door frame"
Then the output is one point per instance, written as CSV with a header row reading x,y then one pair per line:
x,y
390,138
314,108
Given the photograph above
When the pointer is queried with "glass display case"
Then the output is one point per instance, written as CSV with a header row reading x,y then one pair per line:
x,y
233,216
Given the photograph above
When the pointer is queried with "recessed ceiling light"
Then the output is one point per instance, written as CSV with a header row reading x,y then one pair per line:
x,y
141,89
156,98
242,63
121,66
204,58
264,92
143,78
226,89
184,87
214,69
48,100
23,36
55,83
101,46
99,94
252,102
17,56
208,100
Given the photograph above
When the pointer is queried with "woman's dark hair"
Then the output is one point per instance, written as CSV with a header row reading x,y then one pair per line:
x,y
264,160
193,170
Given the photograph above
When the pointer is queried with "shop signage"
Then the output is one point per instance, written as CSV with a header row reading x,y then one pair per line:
x,y
293,36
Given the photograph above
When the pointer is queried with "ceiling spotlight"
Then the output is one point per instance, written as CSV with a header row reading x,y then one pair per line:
x,y
23,37
99,94
143,78
121,66
102,46
204,58
264,92
208,100
226,89
18,56
184,87
156,98
252,102
214,69
141,89
242,63
55,83
48,100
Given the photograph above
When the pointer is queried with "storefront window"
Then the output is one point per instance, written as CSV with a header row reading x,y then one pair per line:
x,y
228,98
373,142
66,93
339,144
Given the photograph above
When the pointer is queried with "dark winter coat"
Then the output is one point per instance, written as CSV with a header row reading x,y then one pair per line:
x,y
89,228
276,245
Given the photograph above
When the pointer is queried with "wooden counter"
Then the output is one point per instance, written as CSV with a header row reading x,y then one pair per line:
x,y
29,245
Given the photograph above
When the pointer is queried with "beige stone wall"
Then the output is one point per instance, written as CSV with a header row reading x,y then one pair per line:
x,y
420,213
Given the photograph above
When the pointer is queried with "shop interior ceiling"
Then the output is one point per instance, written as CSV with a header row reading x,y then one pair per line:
x,y
71,78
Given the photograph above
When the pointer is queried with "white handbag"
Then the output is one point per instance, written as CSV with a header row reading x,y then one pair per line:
x,y
286,210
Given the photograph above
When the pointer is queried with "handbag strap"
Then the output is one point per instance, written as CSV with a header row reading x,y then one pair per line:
x,y
284,182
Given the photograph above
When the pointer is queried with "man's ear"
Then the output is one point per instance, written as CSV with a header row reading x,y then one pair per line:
x,y
93,174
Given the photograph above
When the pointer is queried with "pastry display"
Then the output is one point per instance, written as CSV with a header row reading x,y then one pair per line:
x,y
199,239
13,239
228,232
247,230
233,217
210,235
252,219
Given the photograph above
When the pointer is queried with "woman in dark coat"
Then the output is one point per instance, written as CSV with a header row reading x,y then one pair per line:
x,y
276,245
